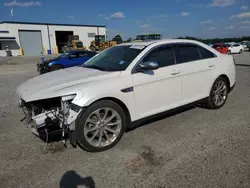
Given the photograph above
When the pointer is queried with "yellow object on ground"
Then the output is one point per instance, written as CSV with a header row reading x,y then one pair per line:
x,y
21,51
44,51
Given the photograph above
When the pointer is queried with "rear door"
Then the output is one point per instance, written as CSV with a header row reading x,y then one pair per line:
x,y
236,48
196,65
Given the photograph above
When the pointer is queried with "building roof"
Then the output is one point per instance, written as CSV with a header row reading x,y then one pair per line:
x,y
36,23
5,35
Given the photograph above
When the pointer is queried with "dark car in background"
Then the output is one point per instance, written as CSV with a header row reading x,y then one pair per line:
x,y
70,59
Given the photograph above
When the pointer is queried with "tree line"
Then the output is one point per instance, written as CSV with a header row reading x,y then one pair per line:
x,y
218,40
119,39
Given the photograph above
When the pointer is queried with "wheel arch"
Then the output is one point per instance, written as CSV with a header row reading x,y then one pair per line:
x,y
56,63
226,78
117,101
223,76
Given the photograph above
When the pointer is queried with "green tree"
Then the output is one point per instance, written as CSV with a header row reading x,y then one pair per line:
x,y
218,40
118,39
129,39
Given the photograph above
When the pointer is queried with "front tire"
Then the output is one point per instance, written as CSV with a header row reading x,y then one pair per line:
x,y
56,67
218,94
229,52
101,126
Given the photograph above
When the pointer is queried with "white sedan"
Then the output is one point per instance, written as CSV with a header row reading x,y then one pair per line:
x,y
235,48
95,103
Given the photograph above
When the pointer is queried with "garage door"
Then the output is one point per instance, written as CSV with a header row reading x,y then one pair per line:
x,y
31,42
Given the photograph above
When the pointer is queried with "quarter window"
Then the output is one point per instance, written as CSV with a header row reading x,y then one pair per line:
x,y
163,55
188,52
236,45
205,54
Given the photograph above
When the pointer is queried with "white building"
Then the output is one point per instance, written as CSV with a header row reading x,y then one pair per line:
x,y
34,38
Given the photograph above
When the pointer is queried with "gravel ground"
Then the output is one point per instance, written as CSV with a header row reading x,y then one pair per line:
x,y
195,148
15,60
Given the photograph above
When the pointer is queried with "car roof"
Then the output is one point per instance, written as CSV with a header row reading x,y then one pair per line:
x,y
70,51
161,41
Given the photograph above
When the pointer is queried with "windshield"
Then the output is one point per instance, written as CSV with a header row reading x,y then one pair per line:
x,y
116,58
62,55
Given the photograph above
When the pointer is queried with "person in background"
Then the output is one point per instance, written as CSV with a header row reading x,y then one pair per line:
x,y
8,51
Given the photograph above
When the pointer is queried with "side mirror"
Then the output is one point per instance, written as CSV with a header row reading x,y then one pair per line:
x,y
148,65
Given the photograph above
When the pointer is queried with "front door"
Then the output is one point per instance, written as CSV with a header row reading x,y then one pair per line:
x,y
158,90
196,64
77,58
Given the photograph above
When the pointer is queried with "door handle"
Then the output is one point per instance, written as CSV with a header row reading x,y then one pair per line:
x,y
210,65
175,71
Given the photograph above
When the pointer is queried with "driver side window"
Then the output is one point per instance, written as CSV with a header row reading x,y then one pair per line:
x,y
163,55
82,54
73,55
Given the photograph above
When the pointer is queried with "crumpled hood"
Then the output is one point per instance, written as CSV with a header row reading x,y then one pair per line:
x,y
60,82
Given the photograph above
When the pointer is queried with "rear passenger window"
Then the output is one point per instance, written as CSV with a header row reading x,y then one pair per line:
x,y
163,55
205,54
188,53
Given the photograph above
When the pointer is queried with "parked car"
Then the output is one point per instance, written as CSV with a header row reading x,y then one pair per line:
x,y
235,48
220,47
96,102
65,60
244,45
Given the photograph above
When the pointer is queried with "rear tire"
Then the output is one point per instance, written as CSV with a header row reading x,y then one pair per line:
x,y
218,94
241,51
95,130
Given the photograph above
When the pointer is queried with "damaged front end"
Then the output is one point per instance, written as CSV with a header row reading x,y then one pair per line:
x,y
52,119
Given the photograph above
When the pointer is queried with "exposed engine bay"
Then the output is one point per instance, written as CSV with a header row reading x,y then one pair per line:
x,y
50,116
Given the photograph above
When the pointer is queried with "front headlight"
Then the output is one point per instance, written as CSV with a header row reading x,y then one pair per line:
x,y
68,97
51,63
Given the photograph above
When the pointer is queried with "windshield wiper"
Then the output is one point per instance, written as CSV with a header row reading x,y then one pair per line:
x,y
94,67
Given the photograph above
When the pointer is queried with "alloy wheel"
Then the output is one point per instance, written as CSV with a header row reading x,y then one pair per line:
x,y
102,127
219,94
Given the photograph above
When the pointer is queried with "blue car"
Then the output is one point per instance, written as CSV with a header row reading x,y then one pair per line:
x,y
70,59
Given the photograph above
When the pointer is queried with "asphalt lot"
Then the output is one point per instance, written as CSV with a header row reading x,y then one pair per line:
x,y
195,148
